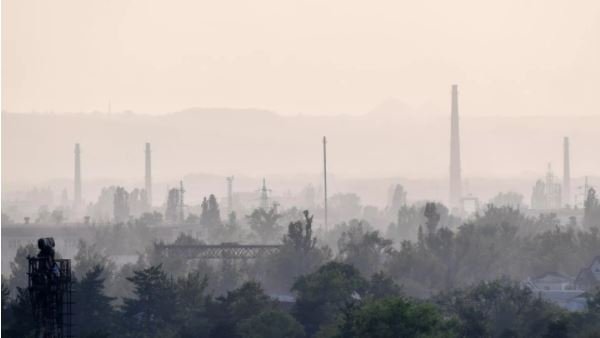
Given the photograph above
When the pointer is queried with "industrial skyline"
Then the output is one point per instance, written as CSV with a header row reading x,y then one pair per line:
x,y
542,194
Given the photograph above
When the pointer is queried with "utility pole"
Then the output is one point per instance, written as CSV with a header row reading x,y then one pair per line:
x,y
230,194
325,178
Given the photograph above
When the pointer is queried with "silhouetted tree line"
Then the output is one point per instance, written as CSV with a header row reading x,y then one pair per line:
x,y
449,282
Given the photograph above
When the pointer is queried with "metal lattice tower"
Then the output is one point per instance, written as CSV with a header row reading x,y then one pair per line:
x,y
50,290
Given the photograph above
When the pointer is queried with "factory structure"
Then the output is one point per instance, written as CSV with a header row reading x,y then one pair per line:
x,y
548,193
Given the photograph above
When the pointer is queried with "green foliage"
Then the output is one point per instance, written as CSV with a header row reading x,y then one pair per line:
x,y
499,308
95,314
20,266
394,317
154,304
264,224
270,324
298,256
210,217
366,250
591,217
88,258
192,301
18,320
432,217
322,294
236,306
382,286
499,242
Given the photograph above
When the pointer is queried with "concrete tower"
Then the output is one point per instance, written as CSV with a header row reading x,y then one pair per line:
x,y
77,202
455,174
148,177
566,173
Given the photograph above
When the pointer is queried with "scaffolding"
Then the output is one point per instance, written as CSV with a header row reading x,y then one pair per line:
x,y
50,289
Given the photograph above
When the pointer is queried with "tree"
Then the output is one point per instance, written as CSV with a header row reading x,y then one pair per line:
x,y
323,294
499,308
192,301
270,324
5,301
264,224
432,216
238,305
95,314
299,255
174,265
19,321
365,250
382,286
88,258
407,222
591,217
210,217
154,304
394,317
150,218
19,267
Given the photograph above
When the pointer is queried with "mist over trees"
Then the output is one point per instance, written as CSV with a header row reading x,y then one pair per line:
x,y
428,274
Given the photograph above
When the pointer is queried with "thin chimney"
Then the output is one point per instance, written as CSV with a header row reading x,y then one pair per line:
x,y
148,177
229,195
77,193
325,179
455,167
566,173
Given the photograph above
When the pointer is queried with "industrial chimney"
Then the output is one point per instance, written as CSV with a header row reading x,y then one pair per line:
x,y
148,177
566,173
455,170
77,193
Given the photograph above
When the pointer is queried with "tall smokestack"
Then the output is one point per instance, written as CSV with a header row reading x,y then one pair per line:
x,y
325,178
148,177
566,173
455,175
77,193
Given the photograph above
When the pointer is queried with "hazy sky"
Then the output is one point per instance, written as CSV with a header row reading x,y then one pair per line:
x,y
313,57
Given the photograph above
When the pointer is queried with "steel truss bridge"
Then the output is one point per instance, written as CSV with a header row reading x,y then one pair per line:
x,y
224,250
